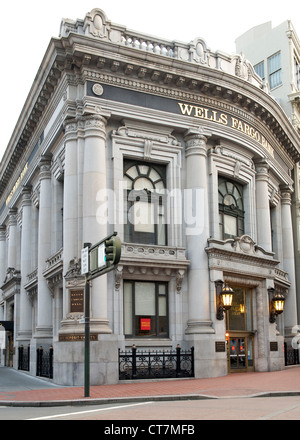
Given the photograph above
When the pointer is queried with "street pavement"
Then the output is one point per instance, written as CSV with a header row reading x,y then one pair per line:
x,y
19,389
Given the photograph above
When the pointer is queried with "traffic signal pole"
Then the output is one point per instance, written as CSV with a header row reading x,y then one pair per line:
x,y
87,334
112,255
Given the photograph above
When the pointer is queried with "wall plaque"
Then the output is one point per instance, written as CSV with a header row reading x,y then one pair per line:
x,y
273,346
72,338
220,346
76,301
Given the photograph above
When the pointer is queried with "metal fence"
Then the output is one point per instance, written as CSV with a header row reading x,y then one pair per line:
x,y
24,358
156,364
291,355
44,362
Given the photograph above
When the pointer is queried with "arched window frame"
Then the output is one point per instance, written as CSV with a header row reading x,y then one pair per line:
x,y
145,197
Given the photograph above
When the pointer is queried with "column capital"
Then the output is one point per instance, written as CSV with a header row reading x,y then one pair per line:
x,y
262,170
2,233
12,212
196,142
45,166
26,195
286,195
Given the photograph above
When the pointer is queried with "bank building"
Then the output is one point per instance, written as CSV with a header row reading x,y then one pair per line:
x,y
186,156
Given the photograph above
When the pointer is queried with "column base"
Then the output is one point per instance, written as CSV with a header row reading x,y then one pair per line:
x,y
197,326
76,327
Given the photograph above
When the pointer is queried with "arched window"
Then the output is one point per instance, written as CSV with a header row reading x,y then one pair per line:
x,y
145,203
231,209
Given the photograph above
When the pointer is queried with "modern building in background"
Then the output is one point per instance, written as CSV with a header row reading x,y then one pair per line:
x,y
275,55
184,153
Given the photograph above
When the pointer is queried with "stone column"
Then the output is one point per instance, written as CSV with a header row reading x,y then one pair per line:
x,y
26,240
94,229
44,300
197,233
71,212
290,312
264,237
261,363
12,241
3,262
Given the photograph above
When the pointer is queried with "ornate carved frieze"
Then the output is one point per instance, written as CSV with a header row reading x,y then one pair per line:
x,y
152,262
241,255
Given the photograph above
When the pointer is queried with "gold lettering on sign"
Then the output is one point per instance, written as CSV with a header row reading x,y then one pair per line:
x,y
72,338
16,185
209,114
76,301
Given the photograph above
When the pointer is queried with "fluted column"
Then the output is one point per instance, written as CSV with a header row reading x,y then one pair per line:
x,y
44,303
264,236
290,313
94,180
26,240
197,233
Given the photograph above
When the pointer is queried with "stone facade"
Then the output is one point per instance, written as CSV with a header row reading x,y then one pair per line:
x,y
185,154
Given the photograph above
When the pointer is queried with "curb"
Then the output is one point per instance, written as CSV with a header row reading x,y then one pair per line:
x,y
138,399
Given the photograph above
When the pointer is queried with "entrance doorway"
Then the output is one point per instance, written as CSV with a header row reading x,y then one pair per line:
x,y
240,353
239,333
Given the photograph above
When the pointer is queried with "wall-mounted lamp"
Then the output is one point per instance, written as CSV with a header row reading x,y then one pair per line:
x,y
224,298
276,304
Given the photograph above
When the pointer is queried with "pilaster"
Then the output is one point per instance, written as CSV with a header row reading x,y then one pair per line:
x,y
44,301
263,206
290,313
25,327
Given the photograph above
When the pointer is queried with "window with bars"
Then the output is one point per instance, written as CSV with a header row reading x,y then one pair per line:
x,y
260,69
297,73
275,72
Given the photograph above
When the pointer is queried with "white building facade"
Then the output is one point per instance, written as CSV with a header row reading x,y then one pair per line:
x,y
184,153
275,55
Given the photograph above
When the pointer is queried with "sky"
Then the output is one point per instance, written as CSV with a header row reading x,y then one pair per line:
x,y
27,27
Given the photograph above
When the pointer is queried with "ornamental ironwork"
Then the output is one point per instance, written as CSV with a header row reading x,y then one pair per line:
x,y
156,364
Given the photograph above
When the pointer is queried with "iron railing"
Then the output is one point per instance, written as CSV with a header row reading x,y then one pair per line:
x,y
44,362
24,358
156,364
291,355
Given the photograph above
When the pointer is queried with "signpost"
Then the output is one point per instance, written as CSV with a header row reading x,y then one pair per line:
x,y
96,260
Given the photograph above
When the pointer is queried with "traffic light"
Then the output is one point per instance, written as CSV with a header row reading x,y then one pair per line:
x,y
113,250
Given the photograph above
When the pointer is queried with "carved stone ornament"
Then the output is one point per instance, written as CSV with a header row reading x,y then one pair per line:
x,y
96,23
97,89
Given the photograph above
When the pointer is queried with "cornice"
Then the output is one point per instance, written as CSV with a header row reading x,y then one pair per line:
x,y
173,68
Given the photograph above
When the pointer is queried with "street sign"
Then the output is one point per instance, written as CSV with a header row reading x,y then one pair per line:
x,y
101,256
84,260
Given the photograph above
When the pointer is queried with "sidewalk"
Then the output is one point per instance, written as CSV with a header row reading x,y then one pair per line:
x,y
28,391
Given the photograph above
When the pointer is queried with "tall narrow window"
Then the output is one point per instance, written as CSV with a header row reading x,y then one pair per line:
x,y
275,73
145,198
231,209
297,73
260,69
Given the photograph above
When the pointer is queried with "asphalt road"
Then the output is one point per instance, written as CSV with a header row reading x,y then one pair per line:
x,y
149,415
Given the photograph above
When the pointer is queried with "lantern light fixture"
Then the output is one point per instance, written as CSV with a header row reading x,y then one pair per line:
x,y
276,304
224,298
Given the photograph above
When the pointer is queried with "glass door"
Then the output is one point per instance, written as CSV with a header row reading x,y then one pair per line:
x,y
240,353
